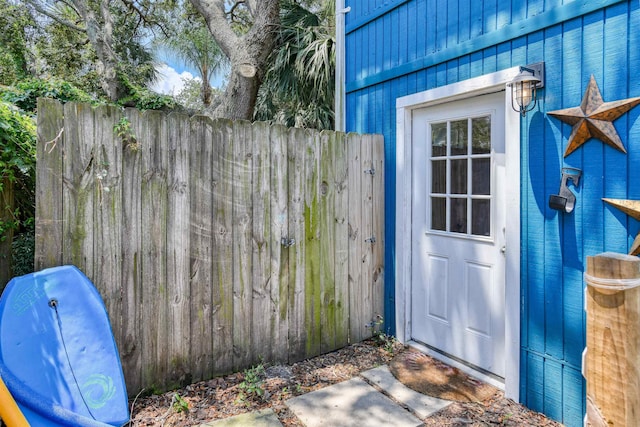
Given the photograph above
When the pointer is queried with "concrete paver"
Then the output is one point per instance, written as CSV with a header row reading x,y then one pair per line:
x,y
263,418
419,403
352,403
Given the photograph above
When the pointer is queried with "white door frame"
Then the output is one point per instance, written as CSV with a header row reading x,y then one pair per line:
x,y
404,111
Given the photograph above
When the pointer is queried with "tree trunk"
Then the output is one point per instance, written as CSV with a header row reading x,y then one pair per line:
x,y
248,53
100,34
206,93
239,98
6,216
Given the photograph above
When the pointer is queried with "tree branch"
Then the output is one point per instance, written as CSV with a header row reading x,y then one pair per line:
x,y
234,7
38,7
143,17
216,18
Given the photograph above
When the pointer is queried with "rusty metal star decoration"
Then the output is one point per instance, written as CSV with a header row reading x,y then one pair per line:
x,y
631,208
594,118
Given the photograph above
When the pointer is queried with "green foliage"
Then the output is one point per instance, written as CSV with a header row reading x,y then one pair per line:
x,y
191,42
23,248
84,43
130,44
64,54
15,22
179,404
17,165
384,340
299,86
25,93
189,96
18,141
123,130
144,99
251,386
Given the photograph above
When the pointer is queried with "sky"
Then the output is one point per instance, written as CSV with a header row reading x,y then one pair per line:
x,y
172,70
170,75
170,79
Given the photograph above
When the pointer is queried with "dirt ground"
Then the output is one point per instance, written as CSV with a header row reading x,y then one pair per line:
x,y
270,386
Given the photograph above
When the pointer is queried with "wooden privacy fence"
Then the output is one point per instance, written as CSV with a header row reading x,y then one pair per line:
x,y
215,244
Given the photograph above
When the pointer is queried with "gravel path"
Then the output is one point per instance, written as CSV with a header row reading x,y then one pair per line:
x,y
235,394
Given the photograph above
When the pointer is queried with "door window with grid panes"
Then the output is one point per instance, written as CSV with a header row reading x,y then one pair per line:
x,y
460,191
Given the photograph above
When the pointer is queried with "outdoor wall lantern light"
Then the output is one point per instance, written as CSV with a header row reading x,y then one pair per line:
x,y
524,87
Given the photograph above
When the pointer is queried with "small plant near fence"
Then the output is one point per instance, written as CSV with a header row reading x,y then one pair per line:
x,y
179,404
252,385
123,130
381,338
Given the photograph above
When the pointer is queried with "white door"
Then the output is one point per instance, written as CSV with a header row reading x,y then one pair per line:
x,y
458,231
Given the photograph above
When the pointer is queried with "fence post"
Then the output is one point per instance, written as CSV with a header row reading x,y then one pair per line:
x,y
613,340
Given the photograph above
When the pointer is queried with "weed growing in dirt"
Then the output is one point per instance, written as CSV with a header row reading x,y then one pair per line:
x,y
381,338
251,386
505,419
179,404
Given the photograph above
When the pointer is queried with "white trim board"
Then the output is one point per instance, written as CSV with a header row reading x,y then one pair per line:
x,y
404,108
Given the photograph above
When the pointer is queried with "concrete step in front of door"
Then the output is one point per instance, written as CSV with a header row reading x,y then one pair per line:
x,y
356,403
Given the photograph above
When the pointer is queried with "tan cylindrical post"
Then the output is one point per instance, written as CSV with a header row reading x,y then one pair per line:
x,y
613,340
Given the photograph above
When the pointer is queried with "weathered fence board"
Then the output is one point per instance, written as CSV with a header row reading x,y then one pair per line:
x,y
222,292
107,218
357,310
377,161
153,192
296,167
263,304
279,253
203,246
341,239
326,208
311,225
178,244
78,187
49,208
129,337
242,244
215,244
368,235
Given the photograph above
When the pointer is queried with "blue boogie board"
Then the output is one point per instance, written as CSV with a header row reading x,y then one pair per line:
x,y
58,357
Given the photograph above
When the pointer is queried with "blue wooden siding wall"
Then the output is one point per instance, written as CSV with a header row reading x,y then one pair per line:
x,y
399,47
